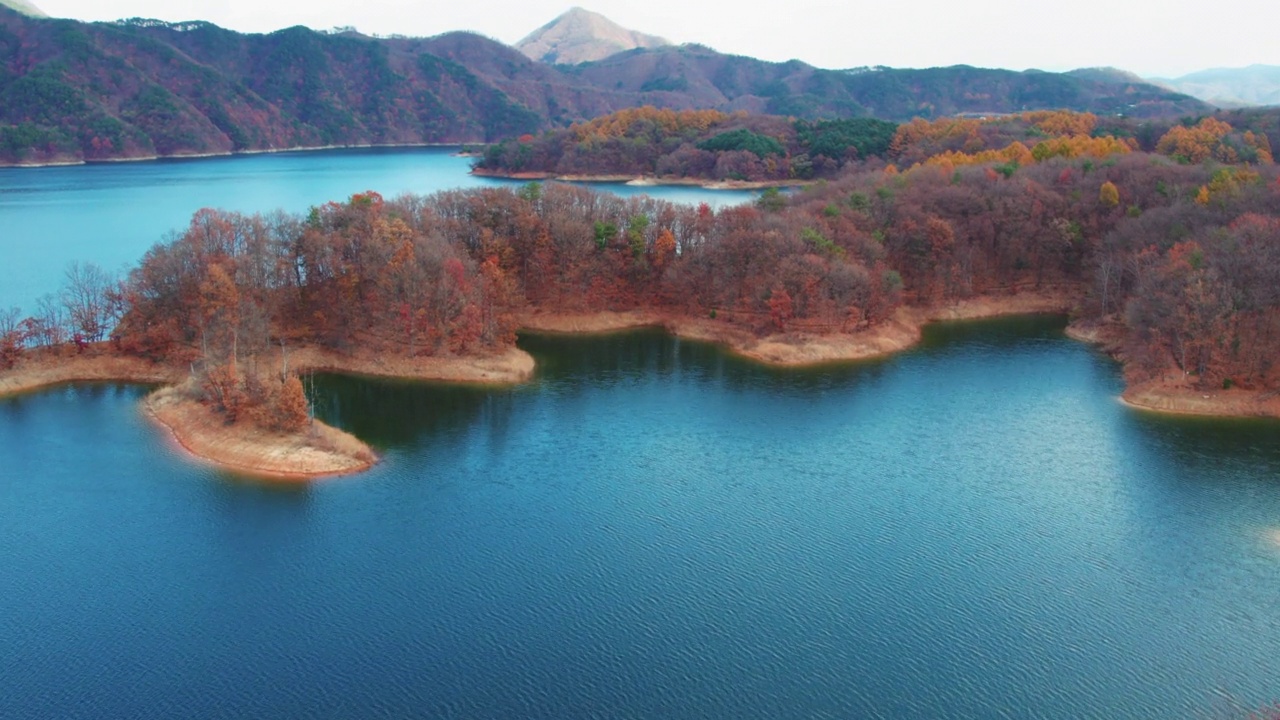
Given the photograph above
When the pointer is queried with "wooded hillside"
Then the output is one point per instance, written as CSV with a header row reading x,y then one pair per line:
x,y
72,91
1184,256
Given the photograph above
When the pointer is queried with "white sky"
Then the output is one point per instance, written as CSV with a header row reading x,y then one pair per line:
x,y
1149,38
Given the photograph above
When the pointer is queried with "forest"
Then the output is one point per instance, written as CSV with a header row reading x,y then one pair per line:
x,y
1179,247
705,144
711,145
73,91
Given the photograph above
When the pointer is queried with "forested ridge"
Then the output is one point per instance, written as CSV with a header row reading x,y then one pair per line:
x,y
705,144
1182,255
73,91
712,145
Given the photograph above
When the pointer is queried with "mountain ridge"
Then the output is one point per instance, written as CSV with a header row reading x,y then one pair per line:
x,y
73,91
24,7
1251,85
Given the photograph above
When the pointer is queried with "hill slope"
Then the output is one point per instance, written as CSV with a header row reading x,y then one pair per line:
x,y
701,77
72,91
1232,87
580,36
23,7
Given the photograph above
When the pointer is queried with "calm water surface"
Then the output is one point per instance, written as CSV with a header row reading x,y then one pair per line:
x,y
112,213
653,529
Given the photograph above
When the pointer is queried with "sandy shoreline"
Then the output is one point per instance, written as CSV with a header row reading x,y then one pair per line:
x,y
511,367
1172,395
44,370
1174,392
320,451
899,333
1172,399
324,451
644,180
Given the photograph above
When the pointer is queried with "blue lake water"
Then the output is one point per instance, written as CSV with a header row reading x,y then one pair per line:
x,y
653,529
650,529
111,213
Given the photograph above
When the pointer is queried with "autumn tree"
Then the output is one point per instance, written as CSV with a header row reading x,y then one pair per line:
x,y
449,272
292,411
780,308
11,340
1108,194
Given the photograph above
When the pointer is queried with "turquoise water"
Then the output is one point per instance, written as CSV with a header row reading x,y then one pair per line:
x,y
111,213
653,529
650,529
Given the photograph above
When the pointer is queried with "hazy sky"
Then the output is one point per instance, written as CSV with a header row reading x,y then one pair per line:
x,y
1166,39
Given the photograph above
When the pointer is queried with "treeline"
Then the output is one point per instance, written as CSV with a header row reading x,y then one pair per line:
x,y
695,144
1186,257
89,305
716,146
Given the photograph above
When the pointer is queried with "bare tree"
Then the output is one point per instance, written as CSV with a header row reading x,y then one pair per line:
x,y
87,298
11,340
48,325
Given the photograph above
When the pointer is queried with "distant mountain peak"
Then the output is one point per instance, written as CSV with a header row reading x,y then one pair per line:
x,y
23,7
1231,87
579,36
1108,74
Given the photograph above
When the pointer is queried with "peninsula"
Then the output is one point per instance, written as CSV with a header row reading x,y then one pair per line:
x,y
1168,259
258,443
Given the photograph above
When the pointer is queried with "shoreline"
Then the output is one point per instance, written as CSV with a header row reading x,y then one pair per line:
x,y
1172,393
44,369
1167,399
800,349
903,331
39,371
228,153
644,180
327,451
321,451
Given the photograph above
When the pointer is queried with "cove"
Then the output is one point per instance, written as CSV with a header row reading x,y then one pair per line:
x,y
654,528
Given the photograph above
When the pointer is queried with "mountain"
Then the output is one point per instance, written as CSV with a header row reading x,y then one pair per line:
x,y
73,91
700,77
1108,75
23,7
1231,87
580,36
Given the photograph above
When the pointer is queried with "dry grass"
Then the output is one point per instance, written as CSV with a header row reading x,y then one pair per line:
x,y
45,368
317,451
321,450
507,368
800,349
1174,394
590,322
643,180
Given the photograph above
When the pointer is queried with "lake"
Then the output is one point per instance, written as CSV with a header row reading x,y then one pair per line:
x,y
655,529
111,213
650,529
